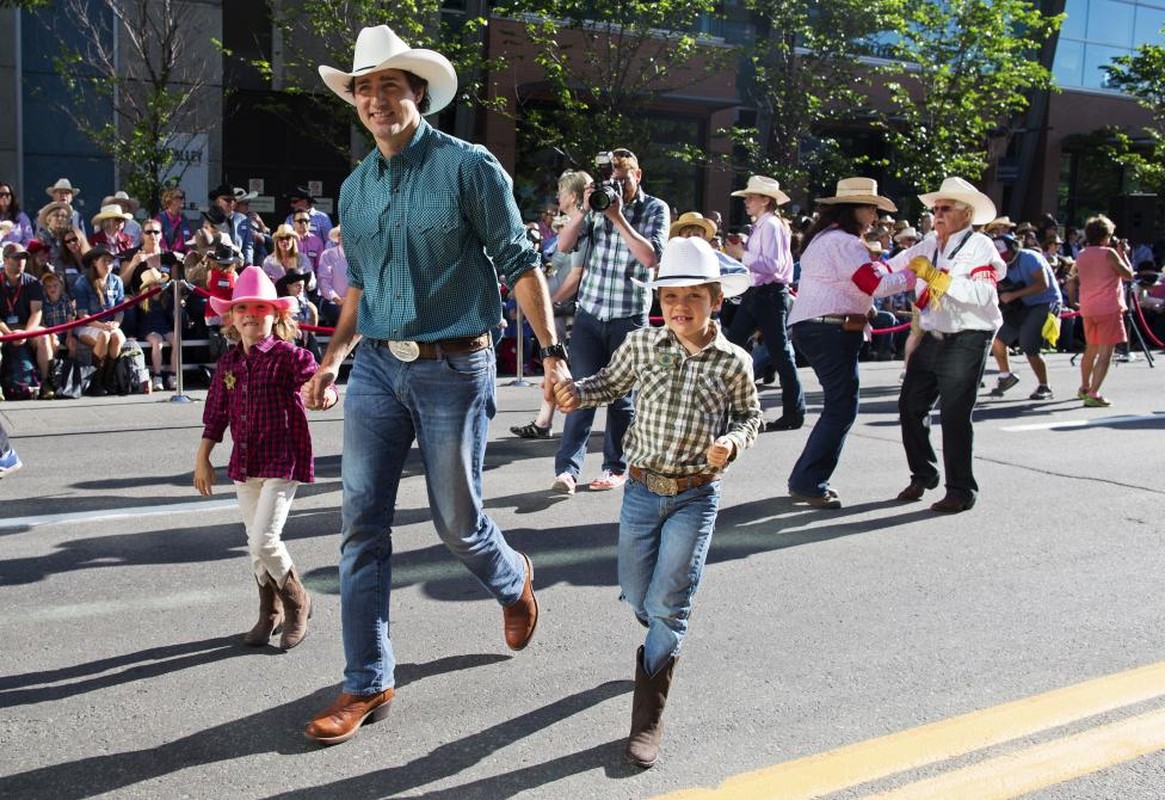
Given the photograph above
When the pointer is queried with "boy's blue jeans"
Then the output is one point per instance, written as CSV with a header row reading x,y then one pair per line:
x,y
663,543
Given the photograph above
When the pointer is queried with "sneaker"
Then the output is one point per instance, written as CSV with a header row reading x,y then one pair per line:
x,y
1096,401
531,430
564,483
1042,392
156,383
608,480
171,382
1005,382
1082,392
9,463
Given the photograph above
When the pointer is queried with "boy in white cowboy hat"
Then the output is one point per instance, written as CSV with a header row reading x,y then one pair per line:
x,y
696,409
256,391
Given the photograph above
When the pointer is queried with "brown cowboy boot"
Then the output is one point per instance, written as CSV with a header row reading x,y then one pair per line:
x,y
296,611
270,615
647,712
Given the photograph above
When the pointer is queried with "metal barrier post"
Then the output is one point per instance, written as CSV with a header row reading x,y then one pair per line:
x,y
179,395
519,349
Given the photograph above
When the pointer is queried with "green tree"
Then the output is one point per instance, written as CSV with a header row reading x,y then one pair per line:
x,y
605,64
140,58
964,67
1142,76
806,79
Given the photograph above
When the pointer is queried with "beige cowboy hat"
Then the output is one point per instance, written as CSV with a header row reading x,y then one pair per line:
x,y
999,225
859,192
689,218
769,187
127,203
955,188
909,232
379,48
42,216
243,196
111,211
62,185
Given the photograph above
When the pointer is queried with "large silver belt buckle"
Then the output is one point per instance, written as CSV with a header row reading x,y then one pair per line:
x,y
663,485
405,351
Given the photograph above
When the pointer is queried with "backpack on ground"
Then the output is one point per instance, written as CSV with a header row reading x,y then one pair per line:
x,y
130,375
18,375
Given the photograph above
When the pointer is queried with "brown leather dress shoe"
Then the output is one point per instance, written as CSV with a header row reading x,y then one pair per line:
x,y
953,504
916,489
521,617
340,721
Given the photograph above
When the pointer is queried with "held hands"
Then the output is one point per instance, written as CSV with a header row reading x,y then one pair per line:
x,y
566,395
937,280
319,393
719,452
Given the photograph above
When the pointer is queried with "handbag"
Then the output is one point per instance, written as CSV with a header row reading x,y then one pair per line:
x,y
70,379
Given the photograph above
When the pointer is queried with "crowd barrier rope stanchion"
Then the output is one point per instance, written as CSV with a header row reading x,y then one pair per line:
x,y
180,395
519,350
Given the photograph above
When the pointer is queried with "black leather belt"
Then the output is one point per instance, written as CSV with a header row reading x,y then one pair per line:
x,y
433,350
670,485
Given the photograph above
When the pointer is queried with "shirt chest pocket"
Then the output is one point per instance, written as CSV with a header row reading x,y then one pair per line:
x,y
709,394
439,227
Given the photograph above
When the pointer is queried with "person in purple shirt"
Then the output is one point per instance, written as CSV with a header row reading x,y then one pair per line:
x,y
765,305
332,278
256,391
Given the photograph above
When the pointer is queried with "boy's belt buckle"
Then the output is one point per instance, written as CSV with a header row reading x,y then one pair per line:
x,y
404,350
662,485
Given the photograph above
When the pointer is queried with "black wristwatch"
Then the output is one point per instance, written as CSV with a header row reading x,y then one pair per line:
x,y
554,351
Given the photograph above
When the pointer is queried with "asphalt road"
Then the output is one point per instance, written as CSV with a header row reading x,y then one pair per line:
x,y
123,594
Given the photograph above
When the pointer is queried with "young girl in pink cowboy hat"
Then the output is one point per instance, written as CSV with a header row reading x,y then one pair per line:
x,y
261,376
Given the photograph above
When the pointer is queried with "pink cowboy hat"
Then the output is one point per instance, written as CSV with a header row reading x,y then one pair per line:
x,y
253,285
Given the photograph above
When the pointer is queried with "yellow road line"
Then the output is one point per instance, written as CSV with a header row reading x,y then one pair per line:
x,y
1023,771
851,765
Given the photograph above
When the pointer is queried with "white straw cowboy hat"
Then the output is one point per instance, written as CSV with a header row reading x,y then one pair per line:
x,y
693,218
691,262
111,211
907,233
62,185
860,192
957,189
769,187
378,49
243,196
127,203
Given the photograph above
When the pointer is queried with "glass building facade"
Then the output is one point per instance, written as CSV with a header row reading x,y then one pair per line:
x,y
1096,31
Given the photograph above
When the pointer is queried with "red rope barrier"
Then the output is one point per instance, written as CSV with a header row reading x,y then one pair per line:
x,y
78,323
1144,324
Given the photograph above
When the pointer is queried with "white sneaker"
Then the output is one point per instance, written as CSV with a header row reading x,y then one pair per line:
x,y
9,463
608,480
156,383
564,483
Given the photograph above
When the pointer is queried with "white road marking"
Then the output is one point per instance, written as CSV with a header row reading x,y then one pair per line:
x,y
199,506
1084,423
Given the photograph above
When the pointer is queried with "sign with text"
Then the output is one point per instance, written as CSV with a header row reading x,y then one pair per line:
x,y
190,168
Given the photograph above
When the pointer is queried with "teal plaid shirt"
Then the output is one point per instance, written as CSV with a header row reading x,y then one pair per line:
x,y
683,402
427,233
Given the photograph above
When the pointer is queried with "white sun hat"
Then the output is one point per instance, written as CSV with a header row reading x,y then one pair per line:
x,y
691,262
957,189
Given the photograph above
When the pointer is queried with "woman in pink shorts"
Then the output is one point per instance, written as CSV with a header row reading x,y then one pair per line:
x,y
1100,270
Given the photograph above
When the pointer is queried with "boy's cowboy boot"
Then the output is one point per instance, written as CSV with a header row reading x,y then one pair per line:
x,y
647,712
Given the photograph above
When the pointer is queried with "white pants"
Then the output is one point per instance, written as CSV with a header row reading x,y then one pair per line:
x,y
265,503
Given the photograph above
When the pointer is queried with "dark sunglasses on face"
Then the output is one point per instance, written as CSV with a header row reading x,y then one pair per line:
x,y
152,231
72,240
942,209
303,221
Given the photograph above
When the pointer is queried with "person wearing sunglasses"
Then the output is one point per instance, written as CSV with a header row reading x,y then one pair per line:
x,y
21,230
301,202
310,245
958,314
176,229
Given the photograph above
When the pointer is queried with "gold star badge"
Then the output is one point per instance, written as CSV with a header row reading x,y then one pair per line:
x,y
229,380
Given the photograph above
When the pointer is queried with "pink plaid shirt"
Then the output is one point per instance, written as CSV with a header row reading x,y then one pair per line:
x,y
258,396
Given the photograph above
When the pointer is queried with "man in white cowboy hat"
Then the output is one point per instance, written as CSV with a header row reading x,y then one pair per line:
x,y
236,225
130,206
63,191
697,408
431,224
769,258
959,314
625,240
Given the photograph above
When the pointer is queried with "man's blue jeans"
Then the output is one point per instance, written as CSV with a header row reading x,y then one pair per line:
x,y
445,405
663,544
592,341
833,354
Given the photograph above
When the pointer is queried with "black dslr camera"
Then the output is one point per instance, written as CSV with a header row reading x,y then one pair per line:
x,y
609,188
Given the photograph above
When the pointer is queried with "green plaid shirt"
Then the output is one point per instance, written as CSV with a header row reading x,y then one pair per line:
x,y
683,402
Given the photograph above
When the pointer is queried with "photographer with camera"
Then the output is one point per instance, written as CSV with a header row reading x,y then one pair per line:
x,y
621,237
1026,296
